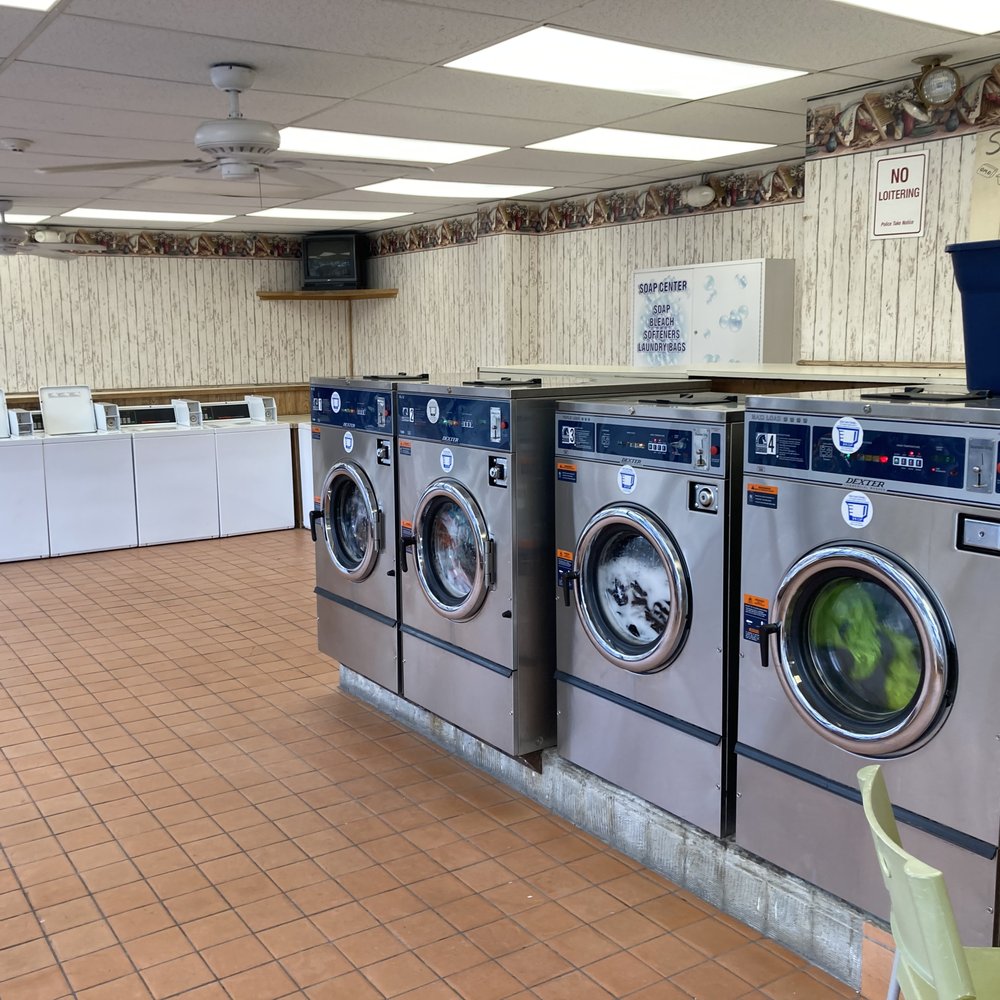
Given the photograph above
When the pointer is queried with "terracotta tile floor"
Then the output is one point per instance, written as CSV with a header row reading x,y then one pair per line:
x,y
189,806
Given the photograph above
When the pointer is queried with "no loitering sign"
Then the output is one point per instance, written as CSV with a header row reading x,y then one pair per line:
x,y
898,196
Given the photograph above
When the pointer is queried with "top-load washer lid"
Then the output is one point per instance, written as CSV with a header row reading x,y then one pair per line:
x,y
398,377
926,394
67,409
503,382
695,399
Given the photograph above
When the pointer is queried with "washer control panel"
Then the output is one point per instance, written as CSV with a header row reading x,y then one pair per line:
x,y
474,423
356,409
642,442
917,458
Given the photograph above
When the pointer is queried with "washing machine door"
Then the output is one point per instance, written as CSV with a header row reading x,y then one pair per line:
x,y
865,653
453,548
633,597
352,521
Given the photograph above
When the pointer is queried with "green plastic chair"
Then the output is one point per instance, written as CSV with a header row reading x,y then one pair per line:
x,y
931,963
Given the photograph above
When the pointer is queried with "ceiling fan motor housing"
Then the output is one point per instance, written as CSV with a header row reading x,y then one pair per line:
x,y
237,143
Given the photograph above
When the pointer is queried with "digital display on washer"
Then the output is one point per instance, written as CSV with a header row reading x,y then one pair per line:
x,y
657,444
477,423
358,409
902,456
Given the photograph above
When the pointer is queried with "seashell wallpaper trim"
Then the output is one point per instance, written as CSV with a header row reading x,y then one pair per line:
x,y
756,188
865,119
238,246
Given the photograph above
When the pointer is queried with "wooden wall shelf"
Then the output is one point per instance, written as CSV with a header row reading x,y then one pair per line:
x,y
350,294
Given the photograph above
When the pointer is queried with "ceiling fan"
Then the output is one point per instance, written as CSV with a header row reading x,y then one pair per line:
x,y
239,148
14,241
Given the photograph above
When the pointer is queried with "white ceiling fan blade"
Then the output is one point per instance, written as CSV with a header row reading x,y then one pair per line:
x,y
336,163
86,168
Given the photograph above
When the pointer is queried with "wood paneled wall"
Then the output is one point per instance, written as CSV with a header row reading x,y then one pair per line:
x,y
560,298
883,300
128,322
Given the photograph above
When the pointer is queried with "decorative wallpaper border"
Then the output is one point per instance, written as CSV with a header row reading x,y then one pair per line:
x,y
167,244
769,185
865,119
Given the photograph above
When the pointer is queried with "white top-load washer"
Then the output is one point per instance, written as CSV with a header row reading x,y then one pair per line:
x,y
254,456
176,472
89,477
24,530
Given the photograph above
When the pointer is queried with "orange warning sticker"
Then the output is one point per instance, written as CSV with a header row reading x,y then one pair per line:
x,y
567,466
564,554
755,602
406,525
759,495
761,488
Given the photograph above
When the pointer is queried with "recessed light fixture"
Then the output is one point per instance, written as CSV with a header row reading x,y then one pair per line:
x,y
137,216
650,145
29,4
558,56
320,142
321,214
971,16
451,189
25,220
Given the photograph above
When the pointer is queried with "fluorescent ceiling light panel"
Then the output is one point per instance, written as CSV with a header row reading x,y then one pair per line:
x,y
128,215
24,220
320,142
333,214
451,189
557,56
29,4
650,145
972,16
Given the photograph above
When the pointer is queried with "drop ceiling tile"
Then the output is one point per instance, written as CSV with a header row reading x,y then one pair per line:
x,y
815,35
903,65
87,181
481,93
792,95
721,121
86,43
15,26
586,166
414,122
50,116
550,176
129,93
391,28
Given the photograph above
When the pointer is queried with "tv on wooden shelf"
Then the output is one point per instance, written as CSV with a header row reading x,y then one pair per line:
x,y
334,260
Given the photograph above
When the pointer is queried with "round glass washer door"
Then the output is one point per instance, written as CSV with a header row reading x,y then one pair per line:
x,y
352,521
633,597
453,549
864,650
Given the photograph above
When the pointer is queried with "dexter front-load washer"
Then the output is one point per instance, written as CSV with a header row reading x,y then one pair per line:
x,y
647,548
871,560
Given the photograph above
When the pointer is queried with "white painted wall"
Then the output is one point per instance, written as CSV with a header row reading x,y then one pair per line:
x,y
130,322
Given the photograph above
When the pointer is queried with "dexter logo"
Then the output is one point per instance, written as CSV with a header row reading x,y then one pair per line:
x,y
868,484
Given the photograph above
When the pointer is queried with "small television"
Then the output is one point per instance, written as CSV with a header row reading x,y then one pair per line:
x,y
334,260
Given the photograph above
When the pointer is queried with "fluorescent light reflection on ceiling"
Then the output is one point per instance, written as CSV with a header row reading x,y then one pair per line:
x,y
321,142
557,56
24,220
450,189
138,216
650,145
332,214
972,16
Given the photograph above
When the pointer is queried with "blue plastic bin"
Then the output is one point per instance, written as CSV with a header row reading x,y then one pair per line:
x,y
977,274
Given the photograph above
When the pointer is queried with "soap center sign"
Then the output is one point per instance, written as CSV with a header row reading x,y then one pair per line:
x,y
898,196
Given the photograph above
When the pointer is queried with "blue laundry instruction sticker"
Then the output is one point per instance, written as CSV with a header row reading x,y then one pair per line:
x,y
762,496
564,565
565,472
